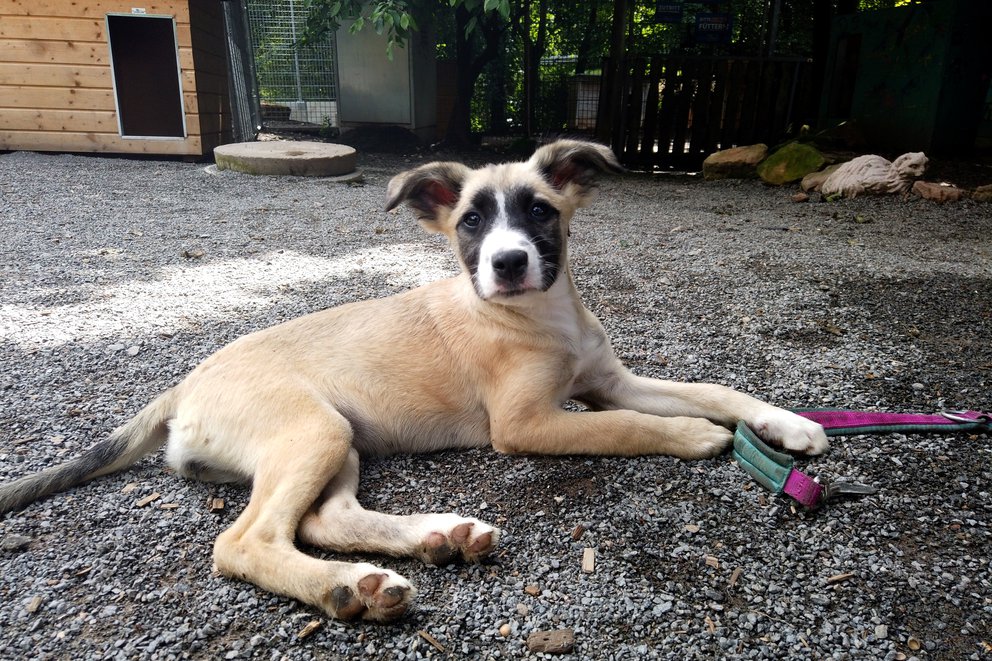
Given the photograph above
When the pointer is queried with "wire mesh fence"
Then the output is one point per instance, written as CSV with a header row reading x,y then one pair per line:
x,y
564,101
299,77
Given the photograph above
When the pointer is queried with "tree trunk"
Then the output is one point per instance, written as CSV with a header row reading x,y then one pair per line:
x,y
611,95
468,68
582,62
821,45
533,52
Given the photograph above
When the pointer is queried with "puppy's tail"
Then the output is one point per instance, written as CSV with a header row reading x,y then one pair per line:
x,y
141,435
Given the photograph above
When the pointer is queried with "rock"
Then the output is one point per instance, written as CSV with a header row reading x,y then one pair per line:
x,y
982,193
938,192
881,631
532,590
307,159
814,180
734,163
33,605
790,163
873,174
560,641
505,630
14,543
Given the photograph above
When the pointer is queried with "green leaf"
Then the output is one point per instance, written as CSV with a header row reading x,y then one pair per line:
x,y
489,5
405,21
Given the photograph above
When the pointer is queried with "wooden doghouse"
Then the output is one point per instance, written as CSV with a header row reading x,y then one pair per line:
x,y
116,76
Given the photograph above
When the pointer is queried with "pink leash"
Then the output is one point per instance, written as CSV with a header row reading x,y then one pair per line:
x,y
775,470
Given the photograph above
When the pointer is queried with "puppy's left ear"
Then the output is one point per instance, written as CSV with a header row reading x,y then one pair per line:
x,y
575,163
431,190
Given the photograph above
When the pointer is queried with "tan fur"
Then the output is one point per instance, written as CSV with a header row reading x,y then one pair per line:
x,y
291,407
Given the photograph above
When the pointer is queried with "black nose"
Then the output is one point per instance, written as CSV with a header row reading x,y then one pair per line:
x,y
510,265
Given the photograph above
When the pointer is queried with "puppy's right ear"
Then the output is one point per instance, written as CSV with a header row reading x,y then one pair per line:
x,y
431,190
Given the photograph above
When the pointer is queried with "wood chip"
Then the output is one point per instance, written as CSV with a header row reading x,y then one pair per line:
x,y
711,561
560,641
588,560
432,640
309,629
215,505
33,605
150,498
735,575
692,527
169,506
129,487
578,532
710,625
533,590
839,578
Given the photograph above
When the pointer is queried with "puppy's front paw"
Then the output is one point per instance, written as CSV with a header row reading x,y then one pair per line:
x,y
791,431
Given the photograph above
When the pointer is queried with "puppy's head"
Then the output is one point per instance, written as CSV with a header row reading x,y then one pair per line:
x,y
507,223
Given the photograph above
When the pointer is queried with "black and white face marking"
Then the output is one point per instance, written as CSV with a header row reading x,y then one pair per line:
x,y
511,242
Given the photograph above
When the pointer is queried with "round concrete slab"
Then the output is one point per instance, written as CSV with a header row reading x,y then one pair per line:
x,y
304,159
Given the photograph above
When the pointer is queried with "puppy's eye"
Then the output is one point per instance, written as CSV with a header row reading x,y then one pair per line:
x,y
471,220
540,210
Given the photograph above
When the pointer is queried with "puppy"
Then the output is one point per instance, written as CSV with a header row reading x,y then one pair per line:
x,y
486,357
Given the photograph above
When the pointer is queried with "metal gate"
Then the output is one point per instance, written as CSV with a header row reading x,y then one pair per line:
x,y
302,78
245,113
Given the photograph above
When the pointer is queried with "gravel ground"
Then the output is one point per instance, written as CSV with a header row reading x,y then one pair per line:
x,y
118,276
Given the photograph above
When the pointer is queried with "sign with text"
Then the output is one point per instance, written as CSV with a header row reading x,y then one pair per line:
x,y
668,12
713,28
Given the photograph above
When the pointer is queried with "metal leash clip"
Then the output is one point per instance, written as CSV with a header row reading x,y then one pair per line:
x,y
838,488
776,472
976,418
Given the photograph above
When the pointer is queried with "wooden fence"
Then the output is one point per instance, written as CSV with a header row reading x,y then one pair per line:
x,y
678,110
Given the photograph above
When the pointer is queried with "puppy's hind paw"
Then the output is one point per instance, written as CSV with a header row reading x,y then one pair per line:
x,y
702,439
375,594
451,538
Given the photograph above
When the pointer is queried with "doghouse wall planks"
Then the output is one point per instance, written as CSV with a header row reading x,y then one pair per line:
x,y
56,82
